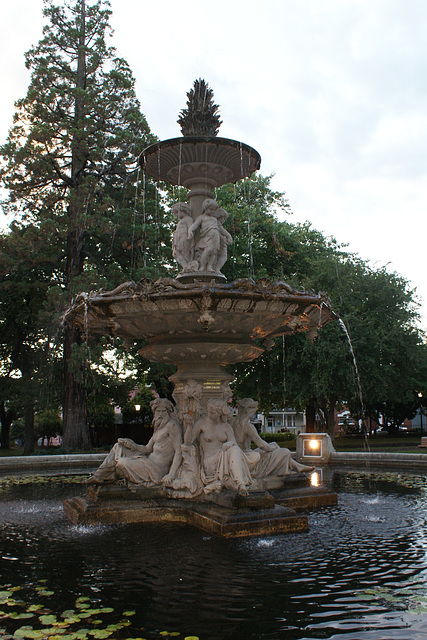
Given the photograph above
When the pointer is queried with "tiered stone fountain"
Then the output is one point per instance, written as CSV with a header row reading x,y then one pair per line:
x,y
196,469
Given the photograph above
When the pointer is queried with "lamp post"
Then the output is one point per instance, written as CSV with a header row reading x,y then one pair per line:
x,y
420,395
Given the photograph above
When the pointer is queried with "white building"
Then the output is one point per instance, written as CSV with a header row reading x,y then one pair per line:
x,y
280,420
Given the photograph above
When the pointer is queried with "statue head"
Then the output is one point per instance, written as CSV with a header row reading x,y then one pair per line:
x,y
221,215
209,206
247,406
181,209
161,404
218,408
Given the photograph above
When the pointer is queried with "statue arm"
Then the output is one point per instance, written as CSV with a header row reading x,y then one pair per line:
x,y
194,227
130,444
196,432
148,448
226,235
252,433
231,438
177,458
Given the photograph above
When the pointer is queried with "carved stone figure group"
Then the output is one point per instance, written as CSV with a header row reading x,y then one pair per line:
x,y
200,244
213,453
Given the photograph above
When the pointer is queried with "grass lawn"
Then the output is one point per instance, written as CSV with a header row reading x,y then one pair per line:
x,y
402,443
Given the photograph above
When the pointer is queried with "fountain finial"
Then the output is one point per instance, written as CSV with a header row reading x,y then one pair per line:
x,y
200,118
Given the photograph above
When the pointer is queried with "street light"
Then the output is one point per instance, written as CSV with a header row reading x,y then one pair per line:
x,y
420,395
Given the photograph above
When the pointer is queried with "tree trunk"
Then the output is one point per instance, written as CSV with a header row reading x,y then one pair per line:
x,y
76,430
29,435
310,418
6,421
330,419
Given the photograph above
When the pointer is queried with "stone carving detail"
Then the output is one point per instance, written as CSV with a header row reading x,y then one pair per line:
x,y
211,248
148,465
191,407
147,287
269,462
223,463
201,244
199,452
182,245
200,118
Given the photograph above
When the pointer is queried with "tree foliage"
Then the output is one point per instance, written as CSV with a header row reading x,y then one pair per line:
x,y
69,168
86,219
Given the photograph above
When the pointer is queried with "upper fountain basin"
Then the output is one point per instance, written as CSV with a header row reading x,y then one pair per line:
x,y
189,160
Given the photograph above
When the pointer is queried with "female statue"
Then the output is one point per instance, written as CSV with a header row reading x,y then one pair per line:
x,y
223,463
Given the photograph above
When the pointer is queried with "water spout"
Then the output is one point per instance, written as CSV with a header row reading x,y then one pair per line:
x,y
356,368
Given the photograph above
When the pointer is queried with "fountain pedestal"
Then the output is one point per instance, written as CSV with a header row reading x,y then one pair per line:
x,y
225,514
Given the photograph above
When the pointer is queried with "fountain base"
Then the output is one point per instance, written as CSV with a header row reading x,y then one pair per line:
x,y
226,514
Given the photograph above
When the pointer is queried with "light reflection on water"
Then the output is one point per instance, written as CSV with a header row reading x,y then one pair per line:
x,y
359,573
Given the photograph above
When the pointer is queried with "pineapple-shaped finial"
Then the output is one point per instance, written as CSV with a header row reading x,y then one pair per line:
x,y
200,118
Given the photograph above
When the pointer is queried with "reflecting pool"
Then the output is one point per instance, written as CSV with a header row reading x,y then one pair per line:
x,y
359,573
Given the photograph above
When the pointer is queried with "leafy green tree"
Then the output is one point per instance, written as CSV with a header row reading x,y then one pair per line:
x,y
27,267
69,164
372,359
47,424
253,208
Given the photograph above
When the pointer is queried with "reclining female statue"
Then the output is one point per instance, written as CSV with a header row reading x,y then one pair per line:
x,y
149,465
268,461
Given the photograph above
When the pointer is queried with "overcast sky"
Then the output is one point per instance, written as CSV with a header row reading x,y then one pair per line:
x,y
332,93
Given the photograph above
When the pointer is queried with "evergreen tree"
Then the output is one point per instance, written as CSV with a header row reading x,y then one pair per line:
x,y
69,166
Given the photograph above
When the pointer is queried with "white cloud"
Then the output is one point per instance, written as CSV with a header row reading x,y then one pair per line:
x,y
331,93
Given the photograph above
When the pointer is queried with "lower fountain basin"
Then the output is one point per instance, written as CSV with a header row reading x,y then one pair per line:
x,y
359,572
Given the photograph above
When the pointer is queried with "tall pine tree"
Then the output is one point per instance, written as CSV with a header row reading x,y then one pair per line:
x,y
69,162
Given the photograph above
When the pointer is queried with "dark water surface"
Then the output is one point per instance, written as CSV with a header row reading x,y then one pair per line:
x,y
360,572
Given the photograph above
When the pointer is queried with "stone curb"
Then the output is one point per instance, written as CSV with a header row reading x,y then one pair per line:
x,y
90,461
82,461
378,459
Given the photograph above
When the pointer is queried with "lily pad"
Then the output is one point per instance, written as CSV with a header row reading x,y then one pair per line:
x,y
53,631
35,607
29,632
48,619
21,616
127,614
67,613
72,619
44,592
82,633
100,633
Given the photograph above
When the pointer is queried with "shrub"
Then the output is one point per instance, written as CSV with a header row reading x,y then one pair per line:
x,y
278,437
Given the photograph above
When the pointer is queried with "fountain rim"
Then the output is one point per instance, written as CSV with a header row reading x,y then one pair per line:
x,y
170,288
215,140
